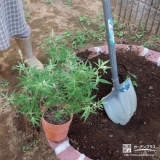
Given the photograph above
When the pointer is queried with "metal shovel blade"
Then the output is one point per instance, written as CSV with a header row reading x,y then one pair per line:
x,y
121,104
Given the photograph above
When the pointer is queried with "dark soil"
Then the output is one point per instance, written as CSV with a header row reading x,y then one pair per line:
x,y
101,139
52,116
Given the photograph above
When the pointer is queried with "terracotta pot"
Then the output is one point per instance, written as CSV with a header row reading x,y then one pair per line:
x,y
55,132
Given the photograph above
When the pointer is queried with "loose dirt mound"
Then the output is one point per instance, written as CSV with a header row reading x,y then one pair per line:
x,y
101,139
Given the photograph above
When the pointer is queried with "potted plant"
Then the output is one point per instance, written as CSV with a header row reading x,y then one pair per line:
x,y
63,88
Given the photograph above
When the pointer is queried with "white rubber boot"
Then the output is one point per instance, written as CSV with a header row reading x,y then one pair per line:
x,y
26,48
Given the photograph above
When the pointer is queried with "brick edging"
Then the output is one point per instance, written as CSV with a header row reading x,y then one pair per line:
x,y
150,55
63,150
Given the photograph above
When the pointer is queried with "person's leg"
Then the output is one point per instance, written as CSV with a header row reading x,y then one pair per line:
x,y
24,43
13,24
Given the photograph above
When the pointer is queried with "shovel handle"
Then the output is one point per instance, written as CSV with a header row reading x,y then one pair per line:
x,y
111,42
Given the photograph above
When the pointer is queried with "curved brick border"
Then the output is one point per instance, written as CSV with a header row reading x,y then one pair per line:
x,y
63,150
151,55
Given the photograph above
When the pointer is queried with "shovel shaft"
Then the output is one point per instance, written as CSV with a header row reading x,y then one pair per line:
x,y
111,43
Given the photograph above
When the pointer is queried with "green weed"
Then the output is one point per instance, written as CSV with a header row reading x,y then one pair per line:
x,y
38,44
86,19
99,15
29,147
156,38
120,34
27,17
25,8
67,33
118,28
102,27
68,3
78,40
49,1
83,18
4,83
149,44
140,33
25,148
132,76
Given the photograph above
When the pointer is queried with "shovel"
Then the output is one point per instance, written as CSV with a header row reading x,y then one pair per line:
x,y
121,103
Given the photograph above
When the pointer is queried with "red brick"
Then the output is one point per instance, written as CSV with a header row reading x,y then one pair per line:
x,y
56,144
158,63
137,49
152,56
104,49
92,49
53,144
122,47
98,49
69,154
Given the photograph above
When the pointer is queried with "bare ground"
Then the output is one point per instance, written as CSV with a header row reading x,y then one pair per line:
x,y
16,133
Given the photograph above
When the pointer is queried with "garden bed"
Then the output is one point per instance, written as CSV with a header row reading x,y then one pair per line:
x,y
20,140
99,138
